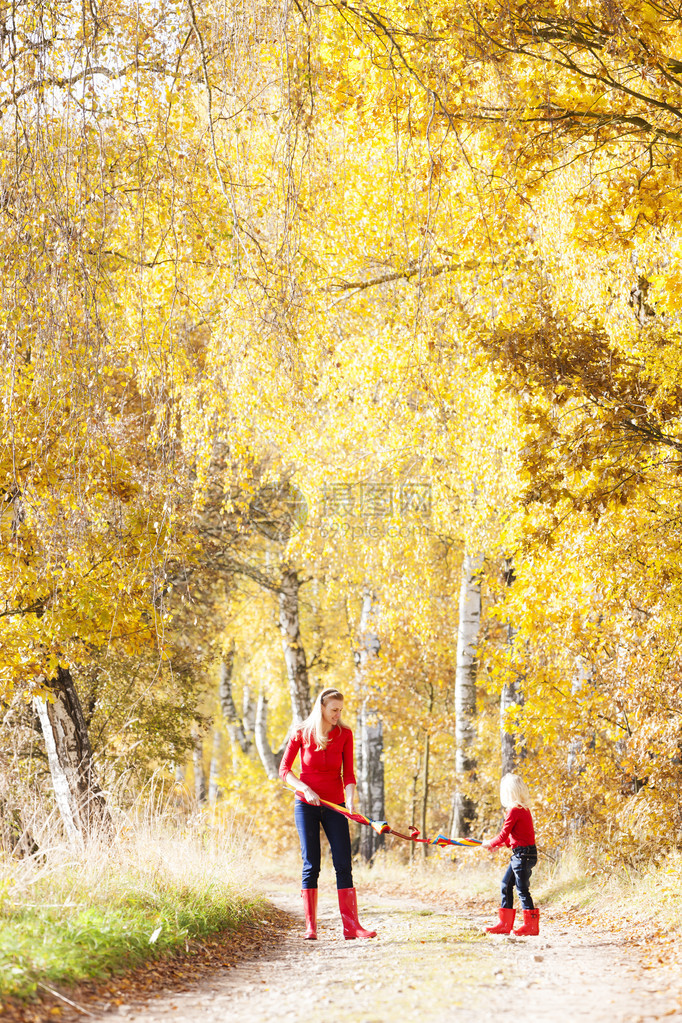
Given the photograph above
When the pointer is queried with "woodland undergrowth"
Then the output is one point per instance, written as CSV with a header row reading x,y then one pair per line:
x,y
579,883
68,915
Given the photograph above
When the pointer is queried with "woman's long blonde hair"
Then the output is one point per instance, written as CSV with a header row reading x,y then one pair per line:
x,y
311,729
514,792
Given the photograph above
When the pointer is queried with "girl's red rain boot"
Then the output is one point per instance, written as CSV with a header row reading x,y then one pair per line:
x,y
348,905
531,922
309,896
506,922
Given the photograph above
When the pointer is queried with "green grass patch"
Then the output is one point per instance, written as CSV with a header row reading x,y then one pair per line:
x,y
83,921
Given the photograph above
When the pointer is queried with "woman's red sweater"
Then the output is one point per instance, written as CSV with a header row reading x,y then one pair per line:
x,y
326,770
516,830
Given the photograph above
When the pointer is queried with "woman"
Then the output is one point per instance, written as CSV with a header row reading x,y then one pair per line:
x,y
326,748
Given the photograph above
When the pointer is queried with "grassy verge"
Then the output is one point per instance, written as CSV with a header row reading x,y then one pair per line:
x,y
65,919
73,919
645,902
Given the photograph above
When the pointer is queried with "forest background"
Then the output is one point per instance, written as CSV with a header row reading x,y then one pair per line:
x,y
341,346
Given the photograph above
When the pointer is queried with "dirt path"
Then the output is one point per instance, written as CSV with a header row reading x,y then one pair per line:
x,y
430,964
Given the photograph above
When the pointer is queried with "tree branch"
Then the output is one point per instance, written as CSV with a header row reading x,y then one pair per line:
x,y
398,275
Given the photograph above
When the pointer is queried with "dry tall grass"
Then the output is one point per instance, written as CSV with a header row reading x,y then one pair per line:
x,y
71,913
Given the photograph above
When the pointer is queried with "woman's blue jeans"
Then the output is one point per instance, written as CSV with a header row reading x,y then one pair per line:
x,y
308,820
524,858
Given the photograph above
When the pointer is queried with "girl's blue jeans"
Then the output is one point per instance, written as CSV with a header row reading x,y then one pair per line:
x,y
308,820
524,858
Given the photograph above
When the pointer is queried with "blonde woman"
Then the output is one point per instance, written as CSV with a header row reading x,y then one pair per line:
x,y
325,745
519,833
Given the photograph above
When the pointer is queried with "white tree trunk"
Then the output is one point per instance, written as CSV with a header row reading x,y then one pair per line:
x,y
425,793
413,816
199,773
214,771
511,751
511,696
269,760
464,808
79,798
370,739
235,728
248,710
582,680
60,784
294,654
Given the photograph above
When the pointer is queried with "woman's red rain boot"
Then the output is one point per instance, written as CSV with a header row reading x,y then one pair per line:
x,y
531,922
506,922
309,896
348,904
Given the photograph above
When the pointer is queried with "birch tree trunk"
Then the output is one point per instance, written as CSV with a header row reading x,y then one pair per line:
x,y
214,771
248,711
413,817
464,808
294,654
77,792
582,679
425,776
199,773
269,760
235,728
370,739
255,716
511,751
511,696
425,792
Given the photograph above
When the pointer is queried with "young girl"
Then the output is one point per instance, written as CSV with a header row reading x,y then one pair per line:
x,y
517,832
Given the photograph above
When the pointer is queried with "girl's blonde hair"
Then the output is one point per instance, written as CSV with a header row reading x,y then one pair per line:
x,y
311,729
514,792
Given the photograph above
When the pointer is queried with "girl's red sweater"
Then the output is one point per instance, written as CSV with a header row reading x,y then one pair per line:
x,y
327,770
516,830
